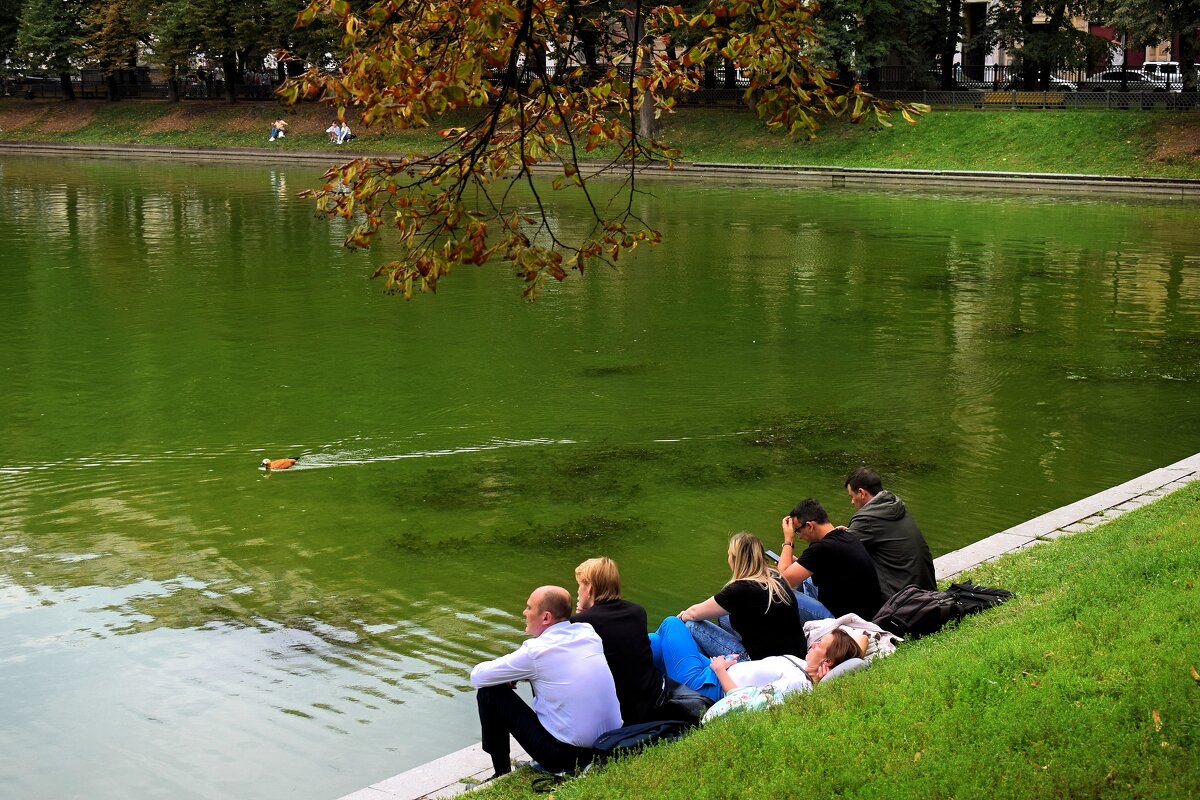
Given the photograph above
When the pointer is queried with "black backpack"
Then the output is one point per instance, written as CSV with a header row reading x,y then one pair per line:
x,y
631,738
973,598
913,612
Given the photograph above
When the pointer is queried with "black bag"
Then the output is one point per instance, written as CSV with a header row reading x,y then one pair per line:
x,y
913,612
631,738
973,598
679,702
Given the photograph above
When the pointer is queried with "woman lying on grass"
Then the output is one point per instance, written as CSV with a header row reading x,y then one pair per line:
x,y
677,654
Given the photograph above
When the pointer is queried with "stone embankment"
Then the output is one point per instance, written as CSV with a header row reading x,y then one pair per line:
x,y
1028,183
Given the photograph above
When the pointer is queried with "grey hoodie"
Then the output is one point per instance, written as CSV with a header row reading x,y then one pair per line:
x,y
895,543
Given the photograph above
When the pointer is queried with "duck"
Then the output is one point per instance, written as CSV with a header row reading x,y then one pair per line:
x,y
279,463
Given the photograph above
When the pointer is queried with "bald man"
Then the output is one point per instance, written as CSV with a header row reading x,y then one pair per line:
x,y
574,699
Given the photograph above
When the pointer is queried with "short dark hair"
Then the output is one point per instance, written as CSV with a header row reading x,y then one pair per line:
x,y
864,478
809,510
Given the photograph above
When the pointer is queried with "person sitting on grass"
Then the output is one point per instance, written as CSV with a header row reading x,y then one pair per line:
x,y
278,129
574,698
762,616
621,626
334,131
836,561
677,654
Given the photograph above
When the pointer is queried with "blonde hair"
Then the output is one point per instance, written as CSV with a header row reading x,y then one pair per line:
x,y
603,576
748,559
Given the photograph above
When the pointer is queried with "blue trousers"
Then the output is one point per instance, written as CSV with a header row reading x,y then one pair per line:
x,y
677,655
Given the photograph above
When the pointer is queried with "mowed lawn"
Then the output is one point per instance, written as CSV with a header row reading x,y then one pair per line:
x,y
1160,143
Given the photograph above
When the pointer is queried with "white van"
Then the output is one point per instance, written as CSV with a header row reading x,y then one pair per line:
x,y
1167,71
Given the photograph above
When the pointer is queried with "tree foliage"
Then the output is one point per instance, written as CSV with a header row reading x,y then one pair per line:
x,y
409,64
1148,22
1039,36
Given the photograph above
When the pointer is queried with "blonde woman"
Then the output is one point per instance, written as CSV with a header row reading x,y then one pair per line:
x,y
762,616
622,628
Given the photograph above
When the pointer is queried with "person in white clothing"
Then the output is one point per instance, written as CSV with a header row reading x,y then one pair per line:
x,y
574,698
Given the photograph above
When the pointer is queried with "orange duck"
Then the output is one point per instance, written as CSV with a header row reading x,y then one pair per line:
x,y
279,463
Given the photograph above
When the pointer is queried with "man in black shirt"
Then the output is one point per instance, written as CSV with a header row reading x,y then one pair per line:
x,y
836,560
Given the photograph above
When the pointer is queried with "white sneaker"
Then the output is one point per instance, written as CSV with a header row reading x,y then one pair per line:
x,y
271,139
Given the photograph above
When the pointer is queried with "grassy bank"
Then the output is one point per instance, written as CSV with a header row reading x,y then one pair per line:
x,y
1084,685
1093,142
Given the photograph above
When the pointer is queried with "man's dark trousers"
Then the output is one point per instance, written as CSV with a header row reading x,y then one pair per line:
x,y
501,712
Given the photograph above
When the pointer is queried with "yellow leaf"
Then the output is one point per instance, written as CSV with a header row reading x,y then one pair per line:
x,y
1157,719
1195,675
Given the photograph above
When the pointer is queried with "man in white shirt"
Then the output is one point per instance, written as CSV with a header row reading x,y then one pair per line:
x,y
574,699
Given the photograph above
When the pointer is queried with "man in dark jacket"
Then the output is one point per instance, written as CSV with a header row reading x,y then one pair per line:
x,y
622,627
890,534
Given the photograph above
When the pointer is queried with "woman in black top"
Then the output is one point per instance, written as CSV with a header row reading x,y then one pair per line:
x,y
621,626
763,620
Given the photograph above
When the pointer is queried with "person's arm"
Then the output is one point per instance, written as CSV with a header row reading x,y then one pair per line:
x,y
787,554
516,666
794,574
720,666
709,609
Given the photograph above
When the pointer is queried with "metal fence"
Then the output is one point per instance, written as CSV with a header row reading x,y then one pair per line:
x,y
1001,90
1048,100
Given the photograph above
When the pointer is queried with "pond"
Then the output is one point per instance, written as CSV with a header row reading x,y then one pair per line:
x,y
175,623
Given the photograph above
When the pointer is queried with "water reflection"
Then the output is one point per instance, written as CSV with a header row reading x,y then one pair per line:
x,y
166,327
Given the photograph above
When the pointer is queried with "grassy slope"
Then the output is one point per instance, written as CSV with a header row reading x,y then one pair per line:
x,y
1097,142
1082,686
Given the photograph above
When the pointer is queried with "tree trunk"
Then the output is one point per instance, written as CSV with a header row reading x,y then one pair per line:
x,y
68,88
950,45
173,92
635,31
229,67
1187,61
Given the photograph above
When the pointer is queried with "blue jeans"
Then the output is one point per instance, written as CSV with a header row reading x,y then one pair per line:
x,y
677,655
807,603
717,638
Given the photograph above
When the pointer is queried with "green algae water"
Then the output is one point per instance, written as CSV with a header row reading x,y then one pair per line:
x,y
174,623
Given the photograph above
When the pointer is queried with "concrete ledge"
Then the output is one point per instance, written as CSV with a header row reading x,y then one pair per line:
x,y
813,175
443,777
1073,518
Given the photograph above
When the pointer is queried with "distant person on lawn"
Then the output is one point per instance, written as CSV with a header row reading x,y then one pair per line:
x,y
574,698
890,534
278,129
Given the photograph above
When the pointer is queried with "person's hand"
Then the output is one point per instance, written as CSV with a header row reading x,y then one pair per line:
x,y
823,669
722,663
789,531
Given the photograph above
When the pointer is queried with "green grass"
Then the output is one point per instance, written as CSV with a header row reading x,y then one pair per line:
x,y
1083,686
1156,143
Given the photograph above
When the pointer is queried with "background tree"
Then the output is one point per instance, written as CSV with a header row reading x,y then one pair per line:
x,y
1040,38
1150,22
48,38
409,63
10,21
113,33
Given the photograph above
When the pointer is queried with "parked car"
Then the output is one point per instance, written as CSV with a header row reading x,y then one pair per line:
x,y
1056,85
1118,80
1167,71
